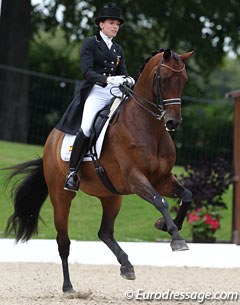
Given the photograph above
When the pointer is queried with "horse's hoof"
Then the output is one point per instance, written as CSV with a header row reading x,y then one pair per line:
x,y
127,272
179,245
68,289
160,224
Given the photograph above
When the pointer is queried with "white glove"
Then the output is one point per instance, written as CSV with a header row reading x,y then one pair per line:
x,y
116,80
130,81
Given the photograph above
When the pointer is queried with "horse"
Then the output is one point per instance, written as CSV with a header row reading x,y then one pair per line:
x,y
137,146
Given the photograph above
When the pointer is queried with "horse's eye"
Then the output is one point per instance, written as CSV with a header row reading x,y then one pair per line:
x,y
165,80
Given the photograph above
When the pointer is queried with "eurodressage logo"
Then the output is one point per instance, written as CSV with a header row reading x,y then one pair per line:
x,y
200,296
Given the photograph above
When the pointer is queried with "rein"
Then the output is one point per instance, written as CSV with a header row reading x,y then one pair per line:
x,y
132,93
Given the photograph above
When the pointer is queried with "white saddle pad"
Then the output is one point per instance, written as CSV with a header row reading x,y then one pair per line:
x,y
69,139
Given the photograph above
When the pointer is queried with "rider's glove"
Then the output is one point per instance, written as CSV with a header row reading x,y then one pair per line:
x,y
116,80
129,81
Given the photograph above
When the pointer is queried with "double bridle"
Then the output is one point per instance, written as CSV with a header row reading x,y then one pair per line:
x,y
161,104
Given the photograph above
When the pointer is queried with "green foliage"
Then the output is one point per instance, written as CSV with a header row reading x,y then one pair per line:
x,y
208,28
206,132
52,54
225,78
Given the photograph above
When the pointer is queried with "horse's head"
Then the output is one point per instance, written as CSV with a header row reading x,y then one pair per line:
x,y
169,77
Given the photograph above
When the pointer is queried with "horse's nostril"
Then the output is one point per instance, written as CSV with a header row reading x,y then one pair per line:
x,y
172,124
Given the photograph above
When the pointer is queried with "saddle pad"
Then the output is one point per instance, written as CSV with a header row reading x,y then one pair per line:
x,y
69,139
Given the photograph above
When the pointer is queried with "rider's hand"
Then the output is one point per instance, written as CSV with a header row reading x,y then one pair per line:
x,y
129,81
116,80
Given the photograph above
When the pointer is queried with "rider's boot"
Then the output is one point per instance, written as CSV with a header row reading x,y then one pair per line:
x,y
80,147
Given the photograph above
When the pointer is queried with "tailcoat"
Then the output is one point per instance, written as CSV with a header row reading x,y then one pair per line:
x,y
97,62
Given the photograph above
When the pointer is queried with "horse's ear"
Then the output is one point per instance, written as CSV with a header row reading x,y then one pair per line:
x,y
167,54
186,55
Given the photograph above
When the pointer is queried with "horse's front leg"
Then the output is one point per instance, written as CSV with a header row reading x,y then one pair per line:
x,y
172,188
142,187
111,206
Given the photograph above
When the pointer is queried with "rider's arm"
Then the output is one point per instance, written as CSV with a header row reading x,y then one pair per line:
x,y
91,72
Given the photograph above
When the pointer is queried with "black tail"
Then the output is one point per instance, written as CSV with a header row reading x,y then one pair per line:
x,y
28,194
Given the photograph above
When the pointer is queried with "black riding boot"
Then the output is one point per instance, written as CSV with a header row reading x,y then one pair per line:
x,y
79,149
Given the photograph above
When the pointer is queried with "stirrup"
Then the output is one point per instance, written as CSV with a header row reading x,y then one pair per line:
x,y
72,182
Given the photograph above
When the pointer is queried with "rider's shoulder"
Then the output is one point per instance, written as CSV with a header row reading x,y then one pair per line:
x,y
89,40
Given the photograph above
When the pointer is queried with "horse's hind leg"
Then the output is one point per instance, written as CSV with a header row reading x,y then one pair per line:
x,y
111,207
173,189
61,204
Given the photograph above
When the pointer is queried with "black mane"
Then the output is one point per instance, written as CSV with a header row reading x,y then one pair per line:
x,y
149,57
175,56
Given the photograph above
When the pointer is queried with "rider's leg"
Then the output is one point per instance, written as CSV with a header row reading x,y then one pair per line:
x,y
79,149
97,99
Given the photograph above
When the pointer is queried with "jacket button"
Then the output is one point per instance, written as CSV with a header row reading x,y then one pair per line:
x,y
104,74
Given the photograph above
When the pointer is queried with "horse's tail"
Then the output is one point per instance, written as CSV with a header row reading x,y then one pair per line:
x,y
28,195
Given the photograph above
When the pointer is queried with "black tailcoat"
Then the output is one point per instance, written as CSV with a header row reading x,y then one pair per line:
x,y
97,62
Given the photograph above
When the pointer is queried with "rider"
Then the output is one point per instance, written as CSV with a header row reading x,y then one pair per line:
x,y
103,65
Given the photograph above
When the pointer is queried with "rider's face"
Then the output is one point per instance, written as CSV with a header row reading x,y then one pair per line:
x,y
110,27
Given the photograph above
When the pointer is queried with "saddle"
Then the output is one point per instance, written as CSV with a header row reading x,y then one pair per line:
x,y
111,111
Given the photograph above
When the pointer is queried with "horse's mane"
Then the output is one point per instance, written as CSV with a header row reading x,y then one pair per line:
x,y
175,56
149,57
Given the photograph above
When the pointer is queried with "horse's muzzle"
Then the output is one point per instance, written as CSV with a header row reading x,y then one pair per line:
x,y
172,125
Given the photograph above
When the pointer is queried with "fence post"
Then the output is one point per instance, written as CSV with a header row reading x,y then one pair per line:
x,y
236,167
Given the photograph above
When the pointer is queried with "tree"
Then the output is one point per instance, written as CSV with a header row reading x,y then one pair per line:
x,y
14,40
207,27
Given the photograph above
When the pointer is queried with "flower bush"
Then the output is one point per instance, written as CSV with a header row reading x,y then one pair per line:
x,y
207,182
204,222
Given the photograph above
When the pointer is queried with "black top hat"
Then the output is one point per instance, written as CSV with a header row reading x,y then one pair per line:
x,y
109,11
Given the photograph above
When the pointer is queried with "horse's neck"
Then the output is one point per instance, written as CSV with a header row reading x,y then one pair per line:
x,y
138,114
143,88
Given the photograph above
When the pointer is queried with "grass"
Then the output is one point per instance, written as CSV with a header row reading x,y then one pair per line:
x,y
135,220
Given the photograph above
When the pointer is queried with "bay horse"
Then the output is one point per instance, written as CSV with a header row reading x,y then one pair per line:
x,y
138,155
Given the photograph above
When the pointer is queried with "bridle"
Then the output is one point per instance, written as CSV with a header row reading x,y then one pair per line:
x,y
161,103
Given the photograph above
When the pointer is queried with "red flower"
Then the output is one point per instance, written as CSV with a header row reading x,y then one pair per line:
x,y
214,224
204,222
208,219
192,217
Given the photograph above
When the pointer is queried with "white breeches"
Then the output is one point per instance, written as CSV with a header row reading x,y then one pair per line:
x,y
98,98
